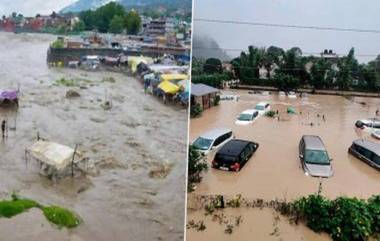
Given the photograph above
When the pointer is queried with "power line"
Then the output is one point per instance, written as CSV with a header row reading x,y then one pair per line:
x,y
277,25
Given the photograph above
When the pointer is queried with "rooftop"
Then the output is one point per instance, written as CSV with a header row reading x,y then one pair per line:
x,y
202,89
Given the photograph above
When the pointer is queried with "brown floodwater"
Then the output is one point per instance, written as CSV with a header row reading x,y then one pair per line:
x,y
274,171
122,202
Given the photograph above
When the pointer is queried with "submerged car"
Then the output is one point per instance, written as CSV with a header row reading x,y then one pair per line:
x,y
376,134
262,107
247,117
314,157
367,151
292,95
234,155
368,123
212,140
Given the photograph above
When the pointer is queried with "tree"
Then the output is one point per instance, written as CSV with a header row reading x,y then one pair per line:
x,y
133,22
79,26
101,18
319,74
116,25
213,66
197,164
273,56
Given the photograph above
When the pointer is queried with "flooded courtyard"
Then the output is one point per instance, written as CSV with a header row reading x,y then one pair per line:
x,y
140,178
274,171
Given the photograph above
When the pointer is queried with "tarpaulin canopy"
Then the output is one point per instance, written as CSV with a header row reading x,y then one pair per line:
x,y
53,154
175,77
8,95
168,87
134,61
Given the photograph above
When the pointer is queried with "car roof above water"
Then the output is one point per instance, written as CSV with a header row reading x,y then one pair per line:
x,y
369,145
233,148
215,133
313,142
262,103
249,111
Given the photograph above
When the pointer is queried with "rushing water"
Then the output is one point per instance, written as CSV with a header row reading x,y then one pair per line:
x,y
122,202
274,171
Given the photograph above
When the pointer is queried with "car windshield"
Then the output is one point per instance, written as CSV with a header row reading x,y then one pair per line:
x,y
245,117
202,143
260,107
317,157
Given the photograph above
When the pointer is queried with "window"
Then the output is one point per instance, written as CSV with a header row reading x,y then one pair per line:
x,y
255,114
367,154
376,159
218,141
316,157
202,143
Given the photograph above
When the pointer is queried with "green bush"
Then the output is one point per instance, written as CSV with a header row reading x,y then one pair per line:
x,y
57,44
270,113
315,210
197,164
11,208
195,111
350,220
216,100
374,209
345,219
61,217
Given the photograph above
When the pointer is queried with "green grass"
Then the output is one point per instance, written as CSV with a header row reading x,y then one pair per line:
x,y
65,82
61,216
11,208
54,214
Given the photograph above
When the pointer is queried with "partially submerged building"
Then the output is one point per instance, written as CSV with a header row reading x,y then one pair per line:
x,y
203,95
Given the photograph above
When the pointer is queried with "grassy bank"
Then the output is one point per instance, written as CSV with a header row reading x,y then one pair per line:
x,y
54,214
344,218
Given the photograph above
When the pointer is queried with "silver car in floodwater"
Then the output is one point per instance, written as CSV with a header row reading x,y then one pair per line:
x,y
314,157
212,140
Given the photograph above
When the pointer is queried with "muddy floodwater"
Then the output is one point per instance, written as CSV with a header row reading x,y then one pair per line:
x,y
136,138
274,171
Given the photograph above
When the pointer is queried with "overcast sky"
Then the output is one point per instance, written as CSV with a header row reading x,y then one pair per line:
x,y
32,7
337,13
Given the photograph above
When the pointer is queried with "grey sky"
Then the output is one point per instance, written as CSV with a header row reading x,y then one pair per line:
x,y
32,7
336,13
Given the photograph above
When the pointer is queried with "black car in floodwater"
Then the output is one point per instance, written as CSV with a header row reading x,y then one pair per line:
x,y
367,151
314,157
234,155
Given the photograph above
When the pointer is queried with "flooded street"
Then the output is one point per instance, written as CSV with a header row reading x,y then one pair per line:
x,y
132,140
274,171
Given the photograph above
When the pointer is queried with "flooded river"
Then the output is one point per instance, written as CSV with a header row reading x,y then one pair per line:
x,y
274,171
134,138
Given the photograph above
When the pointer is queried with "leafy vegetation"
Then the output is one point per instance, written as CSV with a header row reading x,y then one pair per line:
x,y
197,164
195,111
65,82
345,219
10,208
113,18
61,216
57,215
57,44
270,113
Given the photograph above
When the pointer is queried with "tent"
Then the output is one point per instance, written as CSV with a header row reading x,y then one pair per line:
x,y
168,87
53,155
174,77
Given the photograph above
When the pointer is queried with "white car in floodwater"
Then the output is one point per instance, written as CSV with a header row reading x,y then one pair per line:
x,y
292,95
212,140
247,117
262,107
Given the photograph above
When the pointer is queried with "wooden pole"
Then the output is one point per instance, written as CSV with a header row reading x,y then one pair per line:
x,y
72,160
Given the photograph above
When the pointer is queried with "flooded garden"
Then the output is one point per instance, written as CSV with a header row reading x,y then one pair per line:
x,y
136,177
275,172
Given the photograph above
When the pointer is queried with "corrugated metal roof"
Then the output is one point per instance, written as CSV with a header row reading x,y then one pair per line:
x,y
202,89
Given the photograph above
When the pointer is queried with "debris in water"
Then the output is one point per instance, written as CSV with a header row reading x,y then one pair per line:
x,y
72,94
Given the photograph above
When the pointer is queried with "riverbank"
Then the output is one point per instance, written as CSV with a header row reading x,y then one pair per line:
x,y
141,161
